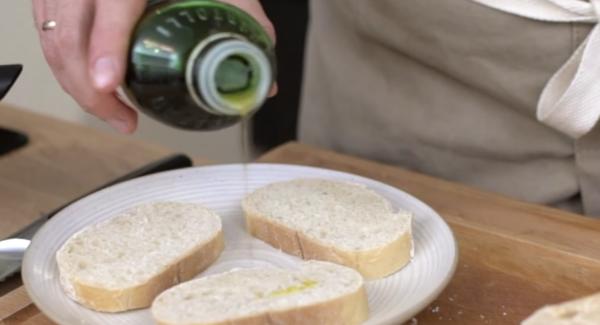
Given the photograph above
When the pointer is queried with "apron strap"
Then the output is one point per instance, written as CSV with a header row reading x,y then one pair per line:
x,y
570,101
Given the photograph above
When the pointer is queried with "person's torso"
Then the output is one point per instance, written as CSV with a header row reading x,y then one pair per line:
x,y
448,88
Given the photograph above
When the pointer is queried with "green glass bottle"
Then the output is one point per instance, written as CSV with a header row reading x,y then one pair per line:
x,y
198,64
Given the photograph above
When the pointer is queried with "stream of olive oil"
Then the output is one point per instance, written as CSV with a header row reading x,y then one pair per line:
x,y
246,150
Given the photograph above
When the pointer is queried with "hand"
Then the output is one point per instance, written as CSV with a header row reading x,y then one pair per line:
x,y
87,50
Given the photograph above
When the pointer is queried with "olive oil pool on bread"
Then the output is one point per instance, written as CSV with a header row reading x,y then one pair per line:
x,y
198,64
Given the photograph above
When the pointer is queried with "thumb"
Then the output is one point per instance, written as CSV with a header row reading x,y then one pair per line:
x,y
114,21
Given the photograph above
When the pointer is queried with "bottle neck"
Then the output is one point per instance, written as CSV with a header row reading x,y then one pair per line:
x,y
229,76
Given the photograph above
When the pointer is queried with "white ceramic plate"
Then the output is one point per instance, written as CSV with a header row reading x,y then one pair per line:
x,y
392,300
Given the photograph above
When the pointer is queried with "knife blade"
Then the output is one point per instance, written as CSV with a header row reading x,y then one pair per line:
x,y
13,248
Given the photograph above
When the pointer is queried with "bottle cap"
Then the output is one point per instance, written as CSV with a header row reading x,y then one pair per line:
x,y
233,77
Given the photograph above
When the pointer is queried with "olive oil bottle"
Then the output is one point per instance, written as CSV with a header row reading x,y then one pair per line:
x,y
198,64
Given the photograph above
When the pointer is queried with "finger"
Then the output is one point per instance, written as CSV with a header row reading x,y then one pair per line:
x,y
109,42
70,41
274,90
65,43
109,108
102,105
42,11
255,9
105,106
39,12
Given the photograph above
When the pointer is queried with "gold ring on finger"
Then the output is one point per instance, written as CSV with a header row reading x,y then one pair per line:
x,y
48,25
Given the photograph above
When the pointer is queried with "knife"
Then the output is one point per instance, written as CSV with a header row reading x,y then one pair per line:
x,y
13,248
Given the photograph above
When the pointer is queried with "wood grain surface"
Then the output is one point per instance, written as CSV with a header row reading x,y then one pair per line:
x,y
514,257
61,162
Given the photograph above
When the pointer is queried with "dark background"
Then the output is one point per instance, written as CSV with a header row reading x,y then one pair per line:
x,y
275,123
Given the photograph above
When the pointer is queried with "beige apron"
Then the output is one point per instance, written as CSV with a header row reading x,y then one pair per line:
x,y
447,88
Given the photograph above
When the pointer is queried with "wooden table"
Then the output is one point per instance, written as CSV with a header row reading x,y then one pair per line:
x,y
514,256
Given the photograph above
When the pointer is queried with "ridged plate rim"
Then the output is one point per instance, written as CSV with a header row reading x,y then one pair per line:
x,y
34,276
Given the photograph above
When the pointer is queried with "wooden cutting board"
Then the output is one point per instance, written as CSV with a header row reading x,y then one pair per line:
x,y
514,257
61,162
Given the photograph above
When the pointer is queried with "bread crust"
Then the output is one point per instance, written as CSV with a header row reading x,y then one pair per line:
x,y
350,309
581,311
372,264
141,296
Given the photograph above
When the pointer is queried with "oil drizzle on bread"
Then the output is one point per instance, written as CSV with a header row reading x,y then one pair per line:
x,y
306,284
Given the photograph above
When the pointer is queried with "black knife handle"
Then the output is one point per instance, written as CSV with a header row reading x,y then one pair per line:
x,y
8,76
168,163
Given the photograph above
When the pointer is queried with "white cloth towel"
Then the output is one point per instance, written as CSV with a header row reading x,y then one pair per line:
x,y
570,101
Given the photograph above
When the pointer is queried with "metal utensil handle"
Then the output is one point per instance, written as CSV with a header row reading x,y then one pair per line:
x,y
13,249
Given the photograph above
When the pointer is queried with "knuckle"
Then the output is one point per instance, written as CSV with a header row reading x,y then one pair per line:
x,y
89,104
92,110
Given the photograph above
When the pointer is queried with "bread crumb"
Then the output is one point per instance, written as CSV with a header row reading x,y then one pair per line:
x,y
435,309
504,313
459,312
414,321
451,299
481,316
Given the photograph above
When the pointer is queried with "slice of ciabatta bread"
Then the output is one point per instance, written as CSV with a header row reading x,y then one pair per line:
x,y
316,293
335,221
583,311
123,263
